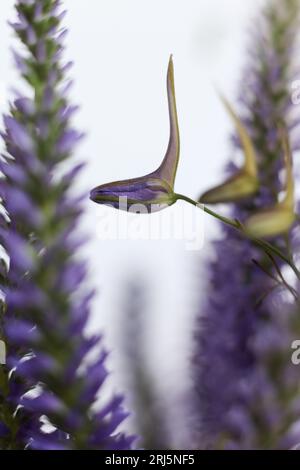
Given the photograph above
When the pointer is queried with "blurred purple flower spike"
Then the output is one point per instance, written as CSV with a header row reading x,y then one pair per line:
x,y
246,387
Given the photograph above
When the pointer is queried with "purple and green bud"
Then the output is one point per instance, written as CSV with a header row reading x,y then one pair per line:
x,y
276,220
153,192
244,183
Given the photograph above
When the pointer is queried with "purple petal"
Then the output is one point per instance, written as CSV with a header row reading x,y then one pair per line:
x,y
19,134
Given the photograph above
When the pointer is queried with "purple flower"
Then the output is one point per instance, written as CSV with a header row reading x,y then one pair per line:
x,y
246,387
153,192
47,308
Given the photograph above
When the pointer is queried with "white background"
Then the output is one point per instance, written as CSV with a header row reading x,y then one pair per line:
x,y
121,50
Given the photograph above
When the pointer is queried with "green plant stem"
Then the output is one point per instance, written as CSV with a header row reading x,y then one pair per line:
x,y
266,246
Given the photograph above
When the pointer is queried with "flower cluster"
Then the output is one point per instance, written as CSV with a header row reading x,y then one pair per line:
x,y
246,385
50,384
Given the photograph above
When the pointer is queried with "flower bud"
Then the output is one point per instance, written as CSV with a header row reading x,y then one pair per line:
x,y
276,220
156,190
245,182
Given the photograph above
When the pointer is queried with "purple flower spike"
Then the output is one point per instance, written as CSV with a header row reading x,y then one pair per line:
x,y
153,192
43,331
246,386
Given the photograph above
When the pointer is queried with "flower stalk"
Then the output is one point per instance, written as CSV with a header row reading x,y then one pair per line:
x,y
247,325
47,306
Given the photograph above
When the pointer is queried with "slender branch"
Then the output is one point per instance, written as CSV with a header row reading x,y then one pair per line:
x,y
223,219
265,271
284,282
266,246
279,282
265,295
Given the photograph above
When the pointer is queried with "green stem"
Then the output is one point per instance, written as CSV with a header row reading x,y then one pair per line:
x,y
225,220
266,246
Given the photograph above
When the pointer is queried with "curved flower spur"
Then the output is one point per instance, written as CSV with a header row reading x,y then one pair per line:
x,y
245,182
153,192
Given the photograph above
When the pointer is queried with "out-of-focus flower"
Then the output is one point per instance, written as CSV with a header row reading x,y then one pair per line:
x,y
246,386
155,191
244,182
47,306
149,416
278,219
